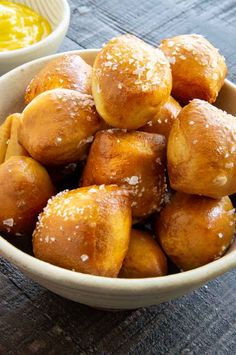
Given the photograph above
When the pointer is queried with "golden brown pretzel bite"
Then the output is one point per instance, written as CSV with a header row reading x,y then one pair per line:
x,y
133,160
130,81
14,148
195,230
68,71
201,151
198,69
164,119
25,189
87,230
58,125
5,131
144,257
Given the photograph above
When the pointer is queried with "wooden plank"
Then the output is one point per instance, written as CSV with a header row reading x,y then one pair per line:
x,y
154,20
203,317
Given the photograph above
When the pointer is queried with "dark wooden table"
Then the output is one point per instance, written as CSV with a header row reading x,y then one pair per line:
x,y
35,321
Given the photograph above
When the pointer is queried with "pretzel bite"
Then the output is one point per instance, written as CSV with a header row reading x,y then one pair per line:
x,y
195,230
85,230
133,160
25,190
198,69
201,151
5,131
130,81
14,148
164,119
68,71
58,125
144,257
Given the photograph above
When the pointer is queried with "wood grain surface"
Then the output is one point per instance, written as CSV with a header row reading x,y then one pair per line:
x,y
35,321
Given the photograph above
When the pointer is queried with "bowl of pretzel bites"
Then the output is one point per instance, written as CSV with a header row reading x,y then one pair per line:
x,y
118,170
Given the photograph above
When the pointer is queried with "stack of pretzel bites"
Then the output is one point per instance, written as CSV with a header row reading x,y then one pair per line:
x,y
157,160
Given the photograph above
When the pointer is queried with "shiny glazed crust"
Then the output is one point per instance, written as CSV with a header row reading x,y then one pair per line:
x,y
144,257
198,69
201,151
86,230
132,160
14,148
5,131
58,125
69,71
164,118
25,190
195,230
131,79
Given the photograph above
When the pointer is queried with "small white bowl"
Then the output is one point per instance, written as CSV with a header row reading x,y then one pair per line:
x,y
95,291
57,12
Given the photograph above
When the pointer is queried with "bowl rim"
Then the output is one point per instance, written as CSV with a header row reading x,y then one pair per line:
x,y
75,280
62,26
79,281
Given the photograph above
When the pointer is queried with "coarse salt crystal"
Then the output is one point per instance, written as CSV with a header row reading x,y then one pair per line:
x,y
170,44
108,64
214,64
84,257
92,190
138,71
220,180
171,60
8,222
133,180
229,165
232,149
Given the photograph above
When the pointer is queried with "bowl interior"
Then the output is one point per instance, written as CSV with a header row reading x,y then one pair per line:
x,y
52,10
12,87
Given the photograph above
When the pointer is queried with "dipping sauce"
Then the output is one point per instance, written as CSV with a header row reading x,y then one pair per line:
x,y
20,26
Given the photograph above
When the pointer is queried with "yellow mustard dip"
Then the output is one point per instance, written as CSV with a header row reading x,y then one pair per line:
x,y
20,26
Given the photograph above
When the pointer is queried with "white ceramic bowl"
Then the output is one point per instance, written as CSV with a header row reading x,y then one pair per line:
x,y
106,293
57,12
